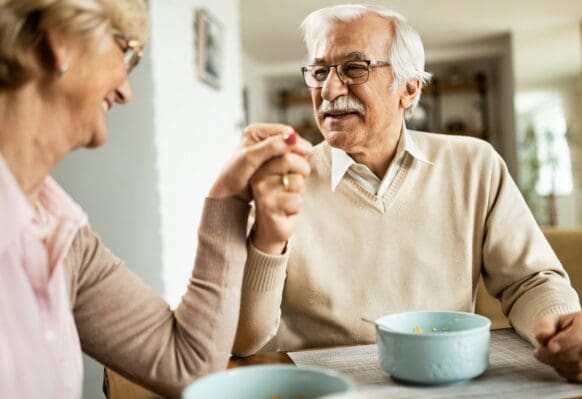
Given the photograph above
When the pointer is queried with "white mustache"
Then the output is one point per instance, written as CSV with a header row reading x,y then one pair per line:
x,y
343,104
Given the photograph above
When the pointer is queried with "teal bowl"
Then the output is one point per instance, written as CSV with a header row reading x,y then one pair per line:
x,y
433,347
266,382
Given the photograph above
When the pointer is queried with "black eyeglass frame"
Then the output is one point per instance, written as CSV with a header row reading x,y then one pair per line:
x,y
339,70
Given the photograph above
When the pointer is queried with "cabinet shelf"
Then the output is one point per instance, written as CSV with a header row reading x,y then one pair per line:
x,y
286,100
472,86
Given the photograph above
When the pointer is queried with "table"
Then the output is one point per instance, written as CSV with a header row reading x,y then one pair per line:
x,y
369,374
116,386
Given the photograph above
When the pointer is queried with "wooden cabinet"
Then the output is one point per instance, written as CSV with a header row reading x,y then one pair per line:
x,y
298,104
457,107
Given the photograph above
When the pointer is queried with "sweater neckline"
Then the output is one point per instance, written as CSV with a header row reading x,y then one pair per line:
x,y
380,203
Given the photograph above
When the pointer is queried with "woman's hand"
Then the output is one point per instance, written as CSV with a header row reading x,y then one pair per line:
x,y
260,144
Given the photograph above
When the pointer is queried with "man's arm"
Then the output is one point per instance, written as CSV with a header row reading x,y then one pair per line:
x,y
260,308
520,267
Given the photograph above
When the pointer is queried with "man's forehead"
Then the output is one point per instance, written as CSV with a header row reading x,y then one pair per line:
x,y
359,39
349,55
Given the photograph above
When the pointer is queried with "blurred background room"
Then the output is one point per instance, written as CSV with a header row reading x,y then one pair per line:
x,y
506,71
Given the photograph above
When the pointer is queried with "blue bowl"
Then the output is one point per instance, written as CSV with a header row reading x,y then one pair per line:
x,y
433,347
266,382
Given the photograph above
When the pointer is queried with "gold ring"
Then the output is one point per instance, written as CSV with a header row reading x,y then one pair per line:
x,y
285,181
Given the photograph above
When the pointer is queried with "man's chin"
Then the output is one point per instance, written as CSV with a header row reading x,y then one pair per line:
x,y
340,139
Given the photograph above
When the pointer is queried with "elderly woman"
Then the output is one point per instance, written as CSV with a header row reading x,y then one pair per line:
x,y
63,65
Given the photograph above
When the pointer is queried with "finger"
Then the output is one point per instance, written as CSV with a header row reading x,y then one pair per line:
x,y
571,370
545,327
291,183
253,157
295,183
301,147
257,132
282,204
289,163
572,354
569,334
543,355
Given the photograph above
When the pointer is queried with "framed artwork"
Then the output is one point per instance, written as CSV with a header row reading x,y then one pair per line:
x,y
209,42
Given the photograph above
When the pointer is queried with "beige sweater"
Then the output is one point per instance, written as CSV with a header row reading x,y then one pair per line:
x,y
421,246
125,325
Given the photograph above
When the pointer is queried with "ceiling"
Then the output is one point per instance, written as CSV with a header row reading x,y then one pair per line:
x,y
270,28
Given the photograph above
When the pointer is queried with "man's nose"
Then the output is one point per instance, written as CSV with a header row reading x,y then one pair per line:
x,y
333,87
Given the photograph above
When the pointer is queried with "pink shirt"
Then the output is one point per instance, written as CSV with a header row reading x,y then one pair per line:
x,y
40,353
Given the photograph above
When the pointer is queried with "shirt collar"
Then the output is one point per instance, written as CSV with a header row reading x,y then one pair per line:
x,y
341,161
17,213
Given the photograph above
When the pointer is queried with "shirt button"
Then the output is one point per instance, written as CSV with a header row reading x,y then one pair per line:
x,y
49,335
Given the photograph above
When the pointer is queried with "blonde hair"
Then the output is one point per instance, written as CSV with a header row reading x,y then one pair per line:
x,y
406,53
24,22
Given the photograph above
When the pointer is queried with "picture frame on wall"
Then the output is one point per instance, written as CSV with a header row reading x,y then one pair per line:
x,y
209,42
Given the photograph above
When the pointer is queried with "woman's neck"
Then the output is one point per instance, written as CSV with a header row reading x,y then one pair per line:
x,y
29,139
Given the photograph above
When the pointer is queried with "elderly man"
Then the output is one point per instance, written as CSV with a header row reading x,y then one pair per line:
x,y
395,220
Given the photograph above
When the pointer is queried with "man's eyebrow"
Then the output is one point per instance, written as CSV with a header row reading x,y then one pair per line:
x,y
352,55
355,55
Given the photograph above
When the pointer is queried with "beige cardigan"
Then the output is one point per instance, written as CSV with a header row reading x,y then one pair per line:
x,y
125,325
421,246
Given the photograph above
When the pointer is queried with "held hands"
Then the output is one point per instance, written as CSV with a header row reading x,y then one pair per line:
x,y
260,143
560,338
277,189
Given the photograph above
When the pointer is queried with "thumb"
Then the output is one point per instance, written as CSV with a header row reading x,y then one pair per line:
x,y
545,327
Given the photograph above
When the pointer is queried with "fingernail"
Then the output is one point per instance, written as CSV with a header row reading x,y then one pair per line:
x,y
554,347
291,138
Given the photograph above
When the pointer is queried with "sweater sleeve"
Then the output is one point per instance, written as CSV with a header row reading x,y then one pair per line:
x,y
520,267
262,292
125,325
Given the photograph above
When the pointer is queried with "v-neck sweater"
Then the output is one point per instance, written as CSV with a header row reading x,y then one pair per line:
x,y
423,245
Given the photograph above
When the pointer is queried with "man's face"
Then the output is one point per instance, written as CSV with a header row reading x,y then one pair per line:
x,y
369,38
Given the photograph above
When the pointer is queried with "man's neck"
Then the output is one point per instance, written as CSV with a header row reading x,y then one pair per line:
x,y
378,155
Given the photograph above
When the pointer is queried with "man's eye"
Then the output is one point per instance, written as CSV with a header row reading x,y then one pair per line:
x,y
320,74
355,70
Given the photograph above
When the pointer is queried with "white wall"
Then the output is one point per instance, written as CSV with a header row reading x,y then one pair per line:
x,y
197,127
144,190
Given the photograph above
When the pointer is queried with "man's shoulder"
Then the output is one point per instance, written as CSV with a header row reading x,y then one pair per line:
x,y
439,146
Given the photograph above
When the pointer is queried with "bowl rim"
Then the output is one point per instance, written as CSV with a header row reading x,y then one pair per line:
x,y
350,384
486,326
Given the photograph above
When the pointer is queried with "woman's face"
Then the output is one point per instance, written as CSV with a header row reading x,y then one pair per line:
x,y
95,80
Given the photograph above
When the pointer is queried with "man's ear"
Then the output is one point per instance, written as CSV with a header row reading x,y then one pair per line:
x,y
411,90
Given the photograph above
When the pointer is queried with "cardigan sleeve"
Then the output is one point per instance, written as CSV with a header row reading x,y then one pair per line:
x,y
519,266
262,292
125,325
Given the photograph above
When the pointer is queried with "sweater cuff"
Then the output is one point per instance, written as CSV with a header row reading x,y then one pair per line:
x,y
230,212
539,302
264,272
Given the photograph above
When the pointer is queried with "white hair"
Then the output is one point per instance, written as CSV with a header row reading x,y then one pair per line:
x,y
406,53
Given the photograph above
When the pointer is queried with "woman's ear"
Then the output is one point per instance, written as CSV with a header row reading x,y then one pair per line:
x,y
409,93
56,52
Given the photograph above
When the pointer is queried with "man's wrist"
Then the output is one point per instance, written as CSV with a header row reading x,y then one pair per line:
x,y
267,246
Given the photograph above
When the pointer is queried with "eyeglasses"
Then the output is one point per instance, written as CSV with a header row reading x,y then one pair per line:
x,y
132,50
349,72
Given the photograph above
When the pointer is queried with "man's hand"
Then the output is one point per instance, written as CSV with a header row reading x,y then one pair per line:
x,y
560,339
277,188
260,143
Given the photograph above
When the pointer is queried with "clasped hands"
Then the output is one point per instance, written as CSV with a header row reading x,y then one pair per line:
x,y
270,168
